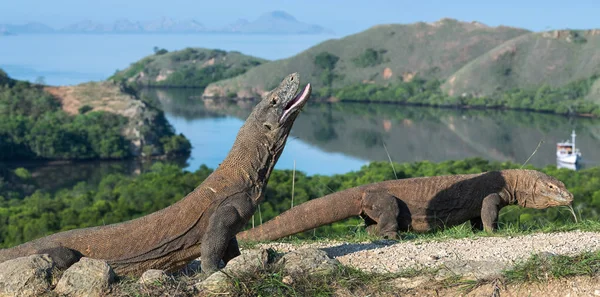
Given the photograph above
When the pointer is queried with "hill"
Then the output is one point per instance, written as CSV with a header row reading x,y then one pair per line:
x,y
554,58
190,67
28,28
383,54
88,121
275,22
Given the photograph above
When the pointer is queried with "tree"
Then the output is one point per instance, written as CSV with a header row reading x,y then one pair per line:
x,y
159,51
40,80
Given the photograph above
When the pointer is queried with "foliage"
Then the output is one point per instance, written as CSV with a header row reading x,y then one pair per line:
x,y
369,58
569,99
189,76
187,68
32,125
159,51
325,63
85,108
118,198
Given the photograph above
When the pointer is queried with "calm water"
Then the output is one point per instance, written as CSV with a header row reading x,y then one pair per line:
x,y
326,138
337,138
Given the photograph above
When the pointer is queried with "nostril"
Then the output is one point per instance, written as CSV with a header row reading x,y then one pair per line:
x,y
268,126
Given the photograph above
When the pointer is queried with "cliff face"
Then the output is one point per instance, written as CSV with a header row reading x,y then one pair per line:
x,y
147,129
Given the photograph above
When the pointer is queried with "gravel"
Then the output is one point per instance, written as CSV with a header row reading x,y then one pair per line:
x,y
481,256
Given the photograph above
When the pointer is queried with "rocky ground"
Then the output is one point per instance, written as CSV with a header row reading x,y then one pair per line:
x,y
448,267
479,257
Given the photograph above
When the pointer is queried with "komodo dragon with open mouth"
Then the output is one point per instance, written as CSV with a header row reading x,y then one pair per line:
x,y
421,204
204,222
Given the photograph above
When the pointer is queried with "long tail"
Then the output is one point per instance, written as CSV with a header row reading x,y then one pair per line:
x,y
16,252
309,215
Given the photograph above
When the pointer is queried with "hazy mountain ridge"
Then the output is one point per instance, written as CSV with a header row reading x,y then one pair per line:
x,y
274,22
469,58
383,55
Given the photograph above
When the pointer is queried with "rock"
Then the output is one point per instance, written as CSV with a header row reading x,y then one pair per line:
x,y
26,276
88,277
476,270
410,282
217,282
248,261
308,261
153,276
288,280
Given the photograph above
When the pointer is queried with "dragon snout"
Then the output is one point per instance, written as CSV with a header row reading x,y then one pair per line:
x,y
562,198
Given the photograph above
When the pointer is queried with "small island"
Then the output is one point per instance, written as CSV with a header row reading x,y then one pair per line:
x,y
96,120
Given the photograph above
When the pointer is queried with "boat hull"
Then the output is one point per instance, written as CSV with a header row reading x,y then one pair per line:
x,y
570,159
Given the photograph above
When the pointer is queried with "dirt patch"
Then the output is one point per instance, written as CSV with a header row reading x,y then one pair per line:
x,y
408,76
69,103
104,96
387,73
210,62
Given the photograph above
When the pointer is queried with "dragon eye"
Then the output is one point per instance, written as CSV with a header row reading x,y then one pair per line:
x,y
273,101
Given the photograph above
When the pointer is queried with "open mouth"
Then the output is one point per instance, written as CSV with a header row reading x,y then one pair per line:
x,y
296,103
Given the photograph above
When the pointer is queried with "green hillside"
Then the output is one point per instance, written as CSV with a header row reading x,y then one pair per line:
x,y
383,54
554,58
96,120
190,67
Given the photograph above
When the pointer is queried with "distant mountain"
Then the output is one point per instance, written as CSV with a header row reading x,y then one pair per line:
x,y
275,22
163,25
32,27
168,25
278,22
86,26
4,32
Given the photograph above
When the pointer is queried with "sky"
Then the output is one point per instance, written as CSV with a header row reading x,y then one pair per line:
x,y
342,16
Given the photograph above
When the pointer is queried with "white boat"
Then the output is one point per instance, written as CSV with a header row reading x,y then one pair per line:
x,y
566,152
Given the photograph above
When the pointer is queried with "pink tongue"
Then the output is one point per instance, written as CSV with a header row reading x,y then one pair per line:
x,y
291,103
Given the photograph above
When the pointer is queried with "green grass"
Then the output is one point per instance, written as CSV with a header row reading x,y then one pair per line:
x,y
272,282
540,268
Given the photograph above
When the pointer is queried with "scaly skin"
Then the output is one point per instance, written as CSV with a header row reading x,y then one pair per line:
x,y
204,222
421,204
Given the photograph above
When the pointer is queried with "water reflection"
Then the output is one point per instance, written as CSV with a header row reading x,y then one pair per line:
x,y
359,131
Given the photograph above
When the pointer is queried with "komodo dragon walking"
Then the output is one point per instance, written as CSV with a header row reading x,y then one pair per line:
x,y
421,204
204,222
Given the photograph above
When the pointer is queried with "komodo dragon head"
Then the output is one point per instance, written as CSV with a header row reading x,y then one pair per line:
x,y
265,132
546,191
275,114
